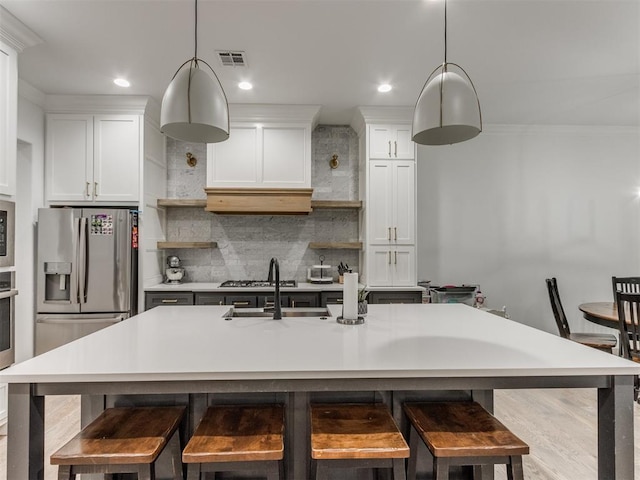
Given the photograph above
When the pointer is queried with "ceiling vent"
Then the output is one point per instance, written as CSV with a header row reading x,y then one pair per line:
x,y
231,58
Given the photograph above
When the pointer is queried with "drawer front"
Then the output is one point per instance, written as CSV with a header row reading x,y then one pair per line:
x,y
304,300
330,298
152,300
210,299
267,301
241,301
394,297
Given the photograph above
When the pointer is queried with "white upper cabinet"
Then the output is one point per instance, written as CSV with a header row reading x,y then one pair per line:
x,y
8,118
391,202
391,142
93,158
268,147
269,156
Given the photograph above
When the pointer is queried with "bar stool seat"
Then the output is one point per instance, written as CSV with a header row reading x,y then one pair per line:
x,y
462,433
355,436
236,438
123,440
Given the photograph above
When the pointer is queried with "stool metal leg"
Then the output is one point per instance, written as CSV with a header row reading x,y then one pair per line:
x,y
514,468
413,454
440,469
193,471
147,472
176,455
64,473
398,469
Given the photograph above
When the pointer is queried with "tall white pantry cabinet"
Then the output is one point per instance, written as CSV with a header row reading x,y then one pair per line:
x,y
388,192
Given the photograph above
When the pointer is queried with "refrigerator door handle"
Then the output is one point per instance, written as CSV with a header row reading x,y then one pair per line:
x,y
82,260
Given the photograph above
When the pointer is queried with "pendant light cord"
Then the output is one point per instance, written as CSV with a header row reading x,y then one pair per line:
x,y
196,32
445,31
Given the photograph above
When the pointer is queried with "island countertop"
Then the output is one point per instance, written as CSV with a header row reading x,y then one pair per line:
x,y
195,343
301,287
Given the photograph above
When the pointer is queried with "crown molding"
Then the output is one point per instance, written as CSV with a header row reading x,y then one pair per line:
x,y
15,33
246,112
124,104
378,115
31,93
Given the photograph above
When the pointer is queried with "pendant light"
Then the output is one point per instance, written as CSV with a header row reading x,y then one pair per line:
x,y
448,109
194,106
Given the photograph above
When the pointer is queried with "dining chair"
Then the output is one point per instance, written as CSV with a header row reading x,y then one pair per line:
x,y
601,341
629,325
625,284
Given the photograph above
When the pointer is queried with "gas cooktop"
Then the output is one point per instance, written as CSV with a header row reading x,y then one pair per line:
x,y
257,283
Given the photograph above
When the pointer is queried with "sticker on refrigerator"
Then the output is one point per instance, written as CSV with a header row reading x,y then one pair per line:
x,y
101,224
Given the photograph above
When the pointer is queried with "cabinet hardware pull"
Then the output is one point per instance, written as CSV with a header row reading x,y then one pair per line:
x,y
395,146
169,300
269,304
389,148
389,257
240,303
339,300
87,190
220,303
395,233
389,233
95,189
395,254
293,303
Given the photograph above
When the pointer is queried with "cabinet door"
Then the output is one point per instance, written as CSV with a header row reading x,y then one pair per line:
x,y
69,157
380,142
402,146
116,161
380,202
380,273
403,266
285,157
235,162
8,118
404,200
331,298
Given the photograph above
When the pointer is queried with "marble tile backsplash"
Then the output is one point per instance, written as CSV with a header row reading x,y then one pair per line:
x,y
246,243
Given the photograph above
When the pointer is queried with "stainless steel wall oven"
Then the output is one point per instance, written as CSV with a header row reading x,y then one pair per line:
x,y
7,320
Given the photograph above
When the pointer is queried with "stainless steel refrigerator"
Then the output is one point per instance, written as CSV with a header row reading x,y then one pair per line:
x,y
86,272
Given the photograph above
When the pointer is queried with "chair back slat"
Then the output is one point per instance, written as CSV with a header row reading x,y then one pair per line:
x,y
625,285
556,306
629,323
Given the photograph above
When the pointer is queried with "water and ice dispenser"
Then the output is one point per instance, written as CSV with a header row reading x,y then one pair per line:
x,y
57,281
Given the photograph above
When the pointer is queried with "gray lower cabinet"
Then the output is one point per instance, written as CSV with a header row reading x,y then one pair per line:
x,y
306,299
238,301
394,297
330,298
157,299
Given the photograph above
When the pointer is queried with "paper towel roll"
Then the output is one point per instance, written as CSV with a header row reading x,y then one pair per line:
x,y
350,296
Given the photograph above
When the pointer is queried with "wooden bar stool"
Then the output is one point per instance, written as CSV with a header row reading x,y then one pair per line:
x,y
123,440
234,438
462,433
355,436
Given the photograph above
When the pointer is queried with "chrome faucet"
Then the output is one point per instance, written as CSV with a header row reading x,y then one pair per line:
x,y
277,308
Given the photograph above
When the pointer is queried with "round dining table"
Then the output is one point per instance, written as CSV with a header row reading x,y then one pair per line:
x,y
602,313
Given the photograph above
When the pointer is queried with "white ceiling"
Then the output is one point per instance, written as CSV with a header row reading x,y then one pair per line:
x,y
532,61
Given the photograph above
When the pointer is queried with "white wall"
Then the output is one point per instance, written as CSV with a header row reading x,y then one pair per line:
x,y
29,197
517,205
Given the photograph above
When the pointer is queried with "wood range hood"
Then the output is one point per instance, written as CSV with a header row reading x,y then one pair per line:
x,y
259,201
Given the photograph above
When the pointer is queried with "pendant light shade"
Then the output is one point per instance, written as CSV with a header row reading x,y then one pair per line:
x,y
448,109
194,106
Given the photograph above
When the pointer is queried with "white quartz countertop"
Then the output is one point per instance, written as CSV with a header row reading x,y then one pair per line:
x,y
396,341
301,287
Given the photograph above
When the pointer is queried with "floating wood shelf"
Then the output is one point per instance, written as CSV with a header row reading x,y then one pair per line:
x,y
259,201
335,245
342,204
182,202
165,245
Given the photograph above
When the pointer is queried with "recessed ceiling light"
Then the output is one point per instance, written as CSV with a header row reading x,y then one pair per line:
x,y
384,88
121,82
245,86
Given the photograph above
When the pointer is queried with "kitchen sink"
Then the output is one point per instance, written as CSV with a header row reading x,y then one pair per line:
x,y
268,313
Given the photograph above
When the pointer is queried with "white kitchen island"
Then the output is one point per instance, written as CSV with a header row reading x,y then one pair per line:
x,y
401,350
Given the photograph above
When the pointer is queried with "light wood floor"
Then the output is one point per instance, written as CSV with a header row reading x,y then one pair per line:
x,y
559,426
